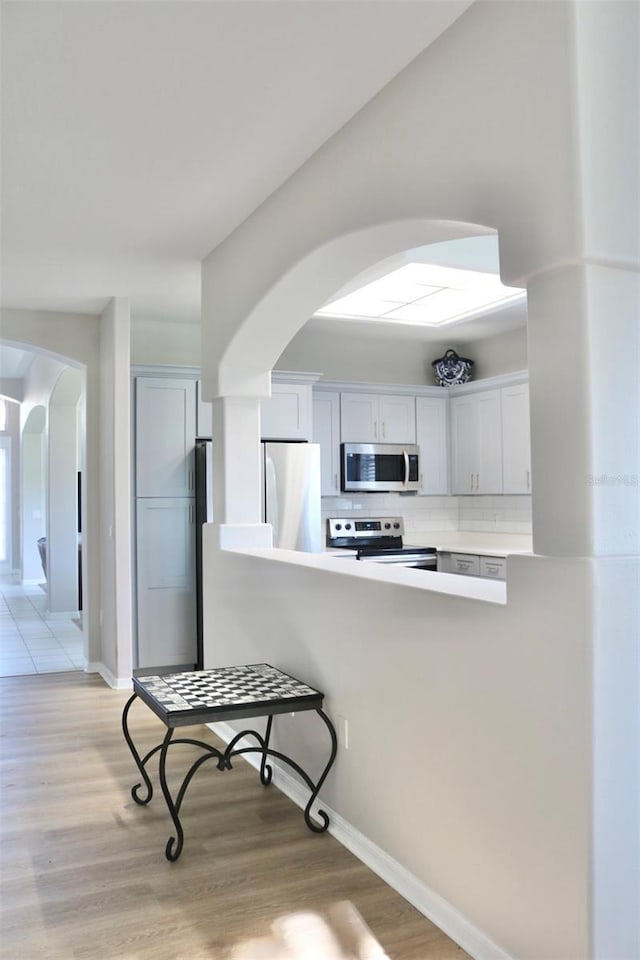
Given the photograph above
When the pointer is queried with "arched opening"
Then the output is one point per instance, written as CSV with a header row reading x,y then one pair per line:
x,y
271,322
44,593
285,330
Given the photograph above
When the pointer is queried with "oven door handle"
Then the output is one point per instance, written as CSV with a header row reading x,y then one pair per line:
x,y
406,467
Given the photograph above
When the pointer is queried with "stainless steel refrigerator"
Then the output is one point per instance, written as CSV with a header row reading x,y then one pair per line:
x,y
290,482
291,494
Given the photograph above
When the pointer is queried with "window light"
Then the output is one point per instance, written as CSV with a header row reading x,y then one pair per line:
x,y
423,293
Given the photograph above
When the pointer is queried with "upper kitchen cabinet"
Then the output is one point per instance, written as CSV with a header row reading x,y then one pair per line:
x,y
286,415
165,432
326,432
377,418
516,439
476,443
433,440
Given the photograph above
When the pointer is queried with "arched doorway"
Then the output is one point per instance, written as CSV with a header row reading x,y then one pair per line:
x,y
42,598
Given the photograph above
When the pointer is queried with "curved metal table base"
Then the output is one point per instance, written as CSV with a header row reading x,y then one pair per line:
x,y
223,760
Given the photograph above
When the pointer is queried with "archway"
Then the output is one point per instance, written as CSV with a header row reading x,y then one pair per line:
x,y
253,349
243,373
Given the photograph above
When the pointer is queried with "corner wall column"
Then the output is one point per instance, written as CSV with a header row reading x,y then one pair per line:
x,y
236,460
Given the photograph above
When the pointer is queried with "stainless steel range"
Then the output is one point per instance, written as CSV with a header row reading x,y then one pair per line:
x,y
378,540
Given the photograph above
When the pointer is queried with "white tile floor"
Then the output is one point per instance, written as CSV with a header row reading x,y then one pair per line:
x,y
30,641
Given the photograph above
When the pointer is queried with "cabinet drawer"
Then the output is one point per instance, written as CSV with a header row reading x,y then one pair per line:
x,y
495,567
465,563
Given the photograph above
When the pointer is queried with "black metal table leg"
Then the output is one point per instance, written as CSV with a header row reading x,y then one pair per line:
x,y
171,853
266,771
321,813
136,756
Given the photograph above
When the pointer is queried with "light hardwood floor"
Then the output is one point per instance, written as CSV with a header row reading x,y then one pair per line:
x,y
83,870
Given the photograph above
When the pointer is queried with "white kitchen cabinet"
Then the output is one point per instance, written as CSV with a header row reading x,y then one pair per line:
x,y
165,559
286,414
204,414
326,432
433,440
377,418
516,439
494,568
164,435
476,443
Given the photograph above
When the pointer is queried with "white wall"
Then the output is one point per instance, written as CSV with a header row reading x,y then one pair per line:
x,y
468,757
34,510
62,510
516,711
115,485
341,353
160,342
13,429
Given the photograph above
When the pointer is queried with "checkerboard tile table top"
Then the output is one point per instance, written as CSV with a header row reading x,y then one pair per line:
x,y
225,693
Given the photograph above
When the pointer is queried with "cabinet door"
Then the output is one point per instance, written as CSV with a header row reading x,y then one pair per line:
x,y
286,415
489,449
326,432
464,444
165,547
432,439
516,439
397,419
165,433
359,418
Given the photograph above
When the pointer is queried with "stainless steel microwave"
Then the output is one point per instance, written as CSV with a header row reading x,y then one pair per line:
x,y
379,467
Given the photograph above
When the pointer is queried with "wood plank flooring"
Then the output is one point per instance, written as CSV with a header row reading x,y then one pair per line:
x,y
83,872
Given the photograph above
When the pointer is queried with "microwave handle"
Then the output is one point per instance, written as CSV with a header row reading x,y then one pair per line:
x,y
406,467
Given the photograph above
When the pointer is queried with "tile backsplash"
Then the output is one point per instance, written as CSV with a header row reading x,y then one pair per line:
x,y
497,514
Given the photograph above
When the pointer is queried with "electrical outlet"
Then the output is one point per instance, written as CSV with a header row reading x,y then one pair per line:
x,y
342,731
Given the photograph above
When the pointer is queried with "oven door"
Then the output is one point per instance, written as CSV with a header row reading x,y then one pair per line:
x,y
379,467
419,558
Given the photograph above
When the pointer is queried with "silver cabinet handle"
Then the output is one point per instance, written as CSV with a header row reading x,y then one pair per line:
x,y
528,480
477,481
191,513
384,430
190,480
472,483
375,429
335,481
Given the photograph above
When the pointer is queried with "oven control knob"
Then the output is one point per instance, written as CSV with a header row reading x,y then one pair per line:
x,y
396,526
347,526
338,526
387,526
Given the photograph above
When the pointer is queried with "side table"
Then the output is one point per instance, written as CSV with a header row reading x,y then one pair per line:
x,y
225,693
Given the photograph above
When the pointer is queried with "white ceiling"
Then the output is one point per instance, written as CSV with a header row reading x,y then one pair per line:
x,y
137,135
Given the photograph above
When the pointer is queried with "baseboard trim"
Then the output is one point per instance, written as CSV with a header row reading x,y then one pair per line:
x,y
116,683
456,926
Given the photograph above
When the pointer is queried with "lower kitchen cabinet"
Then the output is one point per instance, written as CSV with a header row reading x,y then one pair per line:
x,y
165,566
472,565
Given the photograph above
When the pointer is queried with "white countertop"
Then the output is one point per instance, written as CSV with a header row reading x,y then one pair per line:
x,y
343,563
460,541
